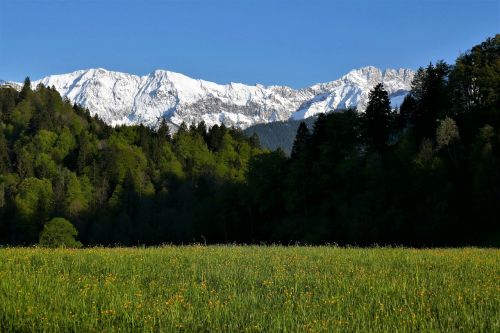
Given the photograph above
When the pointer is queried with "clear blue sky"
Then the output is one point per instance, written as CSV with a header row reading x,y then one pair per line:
x,y
292,42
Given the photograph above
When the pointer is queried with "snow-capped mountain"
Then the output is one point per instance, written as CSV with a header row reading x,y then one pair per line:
x,y
120,98
10,85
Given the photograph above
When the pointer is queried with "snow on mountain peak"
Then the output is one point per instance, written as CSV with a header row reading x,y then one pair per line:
x,y
121,98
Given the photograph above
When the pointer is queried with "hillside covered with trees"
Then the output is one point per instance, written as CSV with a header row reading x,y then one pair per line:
x,y
278,134
427,174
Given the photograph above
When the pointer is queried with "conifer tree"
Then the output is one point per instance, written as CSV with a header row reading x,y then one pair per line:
x,y
430,91
254,140
215,136
192,128
164,131
301,141
182,128
378,117
26,89
318,136
202,130
406,112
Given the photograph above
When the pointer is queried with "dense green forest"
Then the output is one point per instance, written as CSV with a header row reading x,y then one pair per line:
x,y
427,174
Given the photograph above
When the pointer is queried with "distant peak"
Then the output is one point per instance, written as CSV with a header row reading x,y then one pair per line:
x,y
101,70
157,72
167,74
373,73
367,69
373,69
90,70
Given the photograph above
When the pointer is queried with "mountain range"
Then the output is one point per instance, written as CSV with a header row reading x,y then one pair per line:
x,y
121,98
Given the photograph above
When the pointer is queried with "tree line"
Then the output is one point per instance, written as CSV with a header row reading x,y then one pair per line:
x,y
427,174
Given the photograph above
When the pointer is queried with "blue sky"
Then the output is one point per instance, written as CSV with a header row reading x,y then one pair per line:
x,y
292,42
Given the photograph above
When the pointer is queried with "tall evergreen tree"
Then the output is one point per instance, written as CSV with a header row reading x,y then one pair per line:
x,y
192,128
215,136
201,129
431,93
318,136
254,141
182,128
26,89
164,131
406,112
8,99
301,140
378,117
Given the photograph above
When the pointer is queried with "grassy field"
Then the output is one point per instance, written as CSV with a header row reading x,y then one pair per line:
x,y
249,289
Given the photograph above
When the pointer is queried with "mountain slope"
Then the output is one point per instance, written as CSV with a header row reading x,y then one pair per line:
x,y
121,98
279,134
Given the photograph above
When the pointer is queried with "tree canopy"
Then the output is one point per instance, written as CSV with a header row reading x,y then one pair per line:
x,y
59,232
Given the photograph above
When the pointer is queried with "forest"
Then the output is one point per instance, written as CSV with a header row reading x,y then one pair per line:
x,y
426,174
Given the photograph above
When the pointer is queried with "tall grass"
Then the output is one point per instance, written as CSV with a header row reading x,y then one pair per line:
x,y
249,289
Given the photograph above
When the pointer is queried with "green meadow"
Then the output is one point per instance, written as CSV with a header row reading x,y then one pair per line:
x,y
249,289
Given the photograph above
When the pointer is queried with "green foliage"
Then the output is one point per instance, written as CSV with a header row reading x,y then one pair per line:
x,y
59,232
193,154
447,133
25,162
64,145
33,205
168,163
475,79
21,115
34,199
45,166
8,99
44,141
4,154
77,194
124,159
